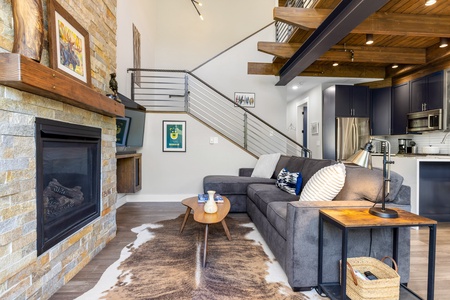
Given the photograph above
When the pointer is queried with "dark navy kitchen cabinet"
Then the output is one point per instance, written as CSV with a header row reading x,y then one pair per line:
x,y
400,108
427,92
381,111
352,101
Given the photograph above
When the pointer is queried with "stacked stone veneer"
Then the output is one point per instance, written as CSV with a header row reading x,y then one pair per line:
x,y
24,275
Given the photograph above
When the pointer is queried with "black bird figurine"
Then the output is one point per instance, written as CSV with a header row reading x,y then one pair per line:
x,y
113,86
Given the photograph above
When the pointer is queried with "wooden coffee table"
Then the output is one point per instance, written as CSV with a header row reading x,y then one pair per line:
x,y
204,218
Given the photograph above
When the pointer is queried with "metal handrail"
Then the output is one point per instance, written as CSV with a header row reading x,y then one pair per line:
x,y
182,91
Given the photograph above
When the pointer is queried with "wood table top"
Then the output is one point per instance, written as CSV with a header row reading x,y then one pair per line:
x,y
360,217
205,218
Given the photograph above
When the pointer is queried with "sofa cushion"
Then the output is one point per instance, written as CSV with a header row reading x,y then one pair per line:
x,y
232,185
311,166
366,184
262,194
289,182
282,162
265,166
325,184
276,215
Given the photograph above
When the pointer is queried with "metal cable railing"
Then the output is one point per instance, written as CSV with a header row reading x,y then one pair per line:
x,y
182,91
284,31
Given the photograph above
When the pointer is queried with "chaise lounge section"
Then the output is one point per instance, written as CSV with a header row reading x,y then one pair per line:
x,y
290,226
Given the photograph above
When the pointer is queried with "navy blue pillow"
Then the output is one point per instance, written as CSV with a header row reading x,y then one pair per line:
x,y
289,182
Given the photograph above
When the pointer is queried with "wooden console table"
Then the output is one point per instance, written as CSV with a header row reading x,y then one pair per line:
x,y
360,218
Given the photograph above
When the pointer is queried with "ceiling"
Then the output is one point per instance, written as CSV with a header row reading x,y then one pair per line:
x,y
405,32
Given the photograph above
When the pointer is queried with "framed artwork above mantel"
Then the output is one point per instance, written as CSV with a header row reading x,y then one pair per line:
x,y
69,44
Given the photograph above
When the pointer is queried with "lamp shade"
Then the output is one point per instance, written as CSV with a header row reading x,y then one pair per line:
x,y
362,157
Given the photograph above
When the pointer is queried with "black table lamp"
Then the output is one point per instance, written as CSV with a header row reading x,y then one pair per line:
x,y
363,158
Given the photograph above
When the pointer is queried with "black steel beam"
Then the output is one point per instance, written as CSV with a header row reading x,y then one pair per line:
x,y
343,19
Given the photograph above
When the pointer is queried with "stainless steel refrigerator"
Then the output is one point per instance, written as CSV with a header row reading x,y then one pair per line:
x,y
351,135
346,137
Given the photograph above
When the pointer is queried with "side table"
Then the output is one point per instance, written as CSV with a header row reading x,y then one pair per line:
x,y
360,218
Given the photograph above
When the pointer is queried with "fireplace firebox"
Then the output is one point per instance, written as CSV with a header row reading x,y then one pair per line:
x,y
68,159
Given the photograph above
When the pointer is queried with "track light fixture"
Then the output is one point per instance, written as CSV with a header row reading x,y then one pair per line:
x,y
195,3
443,43
369,39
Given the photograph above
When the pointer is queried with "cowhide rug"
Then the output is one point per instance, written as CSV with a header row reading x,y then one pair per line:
x,y
164,264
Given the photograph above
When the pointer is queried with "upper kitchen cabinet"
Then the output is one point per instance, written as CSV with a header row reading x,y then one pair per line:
x,y
381,111
400,108
351,101
427,92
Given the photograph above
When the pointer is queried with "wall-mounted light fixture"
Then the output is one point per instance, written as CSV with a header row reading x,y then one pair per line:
x,y
195,3
430,2
369,39
443,43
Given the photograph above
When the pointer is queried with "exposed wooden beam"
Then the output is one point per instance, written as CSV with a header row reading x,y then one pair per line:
x,y
361,54
377,23
255,68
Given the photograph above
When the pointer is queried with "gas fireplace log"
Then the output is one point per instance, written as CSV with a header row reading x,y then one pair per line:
x,y
63,194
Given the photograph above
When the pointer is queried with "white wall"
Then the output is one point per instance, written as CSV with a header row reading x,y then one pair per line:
x,y
172,176
173,37
183,41
313,99
141,13
228,74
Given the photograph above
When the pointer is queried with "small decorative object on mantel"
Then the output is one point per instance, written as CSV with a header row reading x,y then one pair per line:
x,y
28,28
113,86
210,205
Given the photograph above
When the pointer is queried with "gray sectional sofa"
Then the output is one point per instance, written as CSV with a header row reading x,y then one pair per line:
x,y
290,226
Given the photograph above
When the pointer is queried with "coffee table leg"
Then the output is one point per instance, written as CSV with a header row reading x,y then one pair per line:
x,y
205,248
225,227
186,216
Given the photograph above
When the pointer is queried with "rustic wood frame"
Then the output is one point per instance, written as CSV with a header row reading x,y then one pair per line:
x,y
57,12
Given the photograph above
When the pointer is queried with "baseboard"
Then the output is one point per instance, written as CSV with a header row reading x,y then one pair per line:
x,y
158,198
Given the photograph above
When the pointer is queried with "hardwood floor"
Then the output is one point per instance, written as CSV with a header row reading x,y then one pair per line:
x,y
134,214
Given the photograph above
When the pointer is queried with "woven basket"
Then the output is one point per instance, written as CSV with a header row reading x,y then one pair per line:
x,y
387,286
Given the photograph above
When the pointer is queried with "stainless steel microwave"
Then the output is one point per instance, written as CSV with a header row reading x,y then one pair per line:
x,y
427,120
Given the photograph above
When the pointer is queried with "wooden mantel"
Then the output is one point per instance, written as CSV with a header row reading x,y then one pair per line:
x,y
24,74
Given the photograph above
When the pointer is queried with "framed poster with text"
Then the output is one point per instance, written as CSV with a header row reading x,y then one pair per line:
x,y
174,136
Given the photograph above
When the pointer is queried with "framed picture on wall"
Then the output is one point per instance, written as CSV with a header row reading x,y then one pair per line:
x,y
137,55
174,136
245,99
69,44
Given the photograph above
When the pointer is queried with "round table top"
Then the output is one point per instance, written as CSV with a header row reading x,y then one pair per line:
x,y
201,216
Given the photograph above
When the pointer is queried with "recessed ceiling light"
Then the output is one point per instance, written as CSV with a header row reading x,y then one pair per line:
x,y
335,64
394,66
443,43
430,2
369,39
295,87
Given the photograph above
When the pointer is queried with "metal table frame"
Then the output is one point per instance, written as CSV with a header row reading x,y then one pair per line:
x,y
328,288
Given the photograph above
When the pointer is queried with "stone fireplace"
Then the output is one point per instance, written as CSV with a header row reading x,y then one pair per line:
x,y
67,178
29,92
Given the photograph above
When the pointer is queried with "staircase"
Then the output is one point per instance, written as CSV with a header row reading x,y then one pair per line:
x,y
173,91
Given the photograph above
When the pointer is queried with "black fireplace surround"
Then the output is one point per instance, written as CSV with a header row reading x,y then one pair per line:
x,y
68,160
